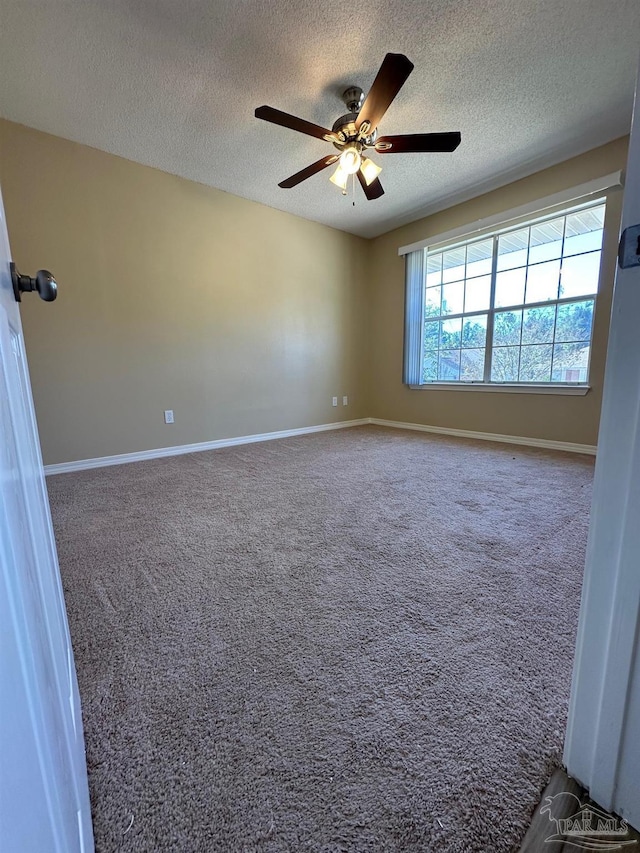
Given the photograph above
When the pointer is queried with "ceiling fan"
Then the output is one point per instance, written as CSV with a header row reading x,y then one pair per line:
x,y
352,134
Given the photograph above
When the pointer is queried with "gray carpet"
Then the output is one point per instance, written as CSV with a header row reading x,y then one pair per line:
x,y
352,641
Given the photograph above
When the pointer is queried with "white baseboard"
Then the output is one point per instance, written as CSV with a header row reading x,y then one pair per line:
x,y
492,436
158,453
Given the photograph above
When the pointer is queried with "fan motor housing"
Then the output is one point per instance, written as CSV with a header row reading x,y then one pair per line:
x,y
347,124
353,98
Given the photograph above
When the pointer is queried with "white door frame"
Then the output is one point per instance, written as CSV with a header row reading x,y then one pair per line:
x,y
602,747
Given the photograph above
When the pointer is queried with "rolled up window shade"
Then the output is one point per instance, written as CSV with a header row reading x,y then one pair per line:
x,y
413,317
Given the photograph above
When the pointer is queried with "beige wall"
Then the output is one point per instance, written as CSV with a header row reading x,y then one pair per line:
x,y
240,318
173,295
559,418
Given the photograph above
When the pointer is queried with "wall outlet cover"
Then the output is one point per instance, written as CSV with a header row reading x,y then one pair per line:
x,y
345,400
168,416
334,401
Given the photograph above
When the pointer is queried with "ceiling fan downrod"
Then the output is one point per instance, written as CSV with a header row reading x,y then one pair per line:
x,y
353,98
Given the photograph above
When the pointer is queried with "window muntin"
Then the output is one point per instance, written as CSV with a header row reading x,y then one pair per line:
x,y
516,307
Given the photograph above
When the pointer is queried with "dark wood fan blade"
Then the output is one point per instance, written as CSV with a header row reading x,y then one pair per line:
x,y
418,142
292,122
373,190
389,80
309,172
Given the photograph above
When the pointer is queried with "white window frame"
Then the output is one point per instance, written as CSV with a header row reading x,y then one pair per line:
x,y
493,310
562,203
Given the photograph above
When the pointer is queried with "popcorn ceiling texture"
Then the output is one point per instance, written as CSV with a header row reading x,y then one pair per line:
x,y
352,641
174,85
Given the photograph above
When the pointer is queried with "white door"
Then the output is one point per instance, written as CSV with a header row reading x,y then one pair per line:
x,y
44,797
602,748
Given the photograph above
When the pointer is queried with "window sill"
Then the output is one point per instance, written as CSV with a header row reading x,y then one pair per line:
x,y
567,390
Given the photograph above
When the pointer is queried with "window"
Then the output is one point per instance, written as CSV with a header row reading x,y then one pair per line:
x,y
514,307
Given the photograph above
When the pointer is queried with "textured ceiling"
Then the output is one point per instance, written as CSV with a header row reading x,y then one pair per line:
x,y
173,84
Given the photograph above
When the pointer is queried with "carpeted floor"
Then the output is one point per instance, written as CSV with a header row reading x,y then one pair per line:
x,y
352,641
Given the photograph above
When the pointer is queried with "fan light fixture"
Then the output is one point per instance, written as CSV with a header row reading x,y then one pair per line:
x,y
350,159
340,178
370,170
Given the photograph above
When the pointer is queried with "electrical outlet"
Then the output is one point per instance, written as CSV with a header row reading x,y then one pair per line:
x,y
334,401
168,416
345,400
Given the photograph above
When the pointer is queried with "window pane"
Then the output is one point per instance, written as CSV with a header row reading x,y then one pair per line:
x,y
474,331
449,365
510,287
580,275
506,328
537,325
479,257
535,363
434,269
431,334
512,249
451,333
534,339
430,366
584,231
545,242
542,282
453,298
570,362
574,321
477,294
504,364
595,216
583,243
432,302
472,365
453,265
